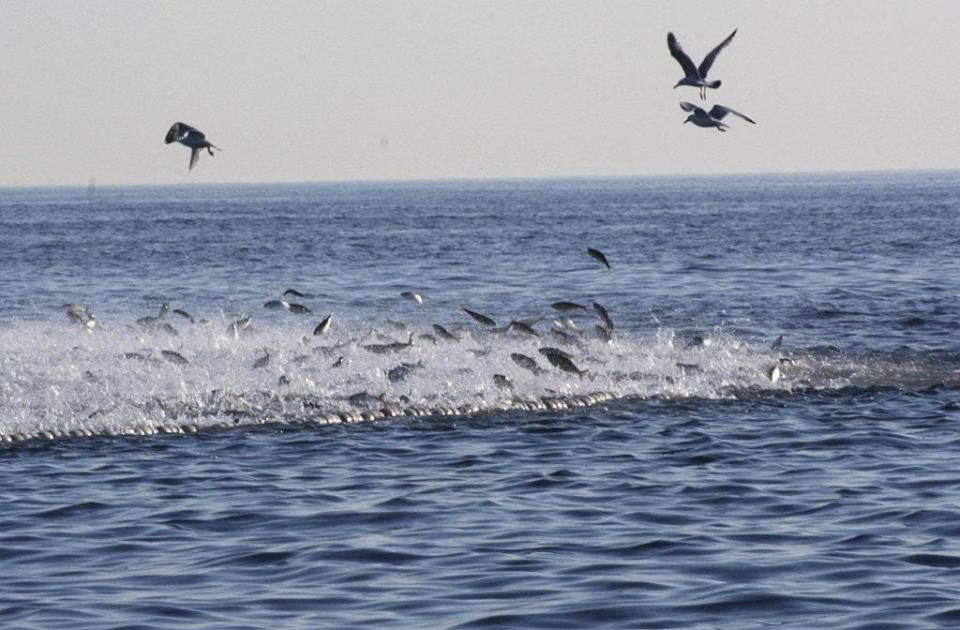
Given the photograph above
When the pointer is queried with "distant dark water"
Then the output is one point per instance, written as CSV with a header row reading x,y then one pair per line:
x,y
705,495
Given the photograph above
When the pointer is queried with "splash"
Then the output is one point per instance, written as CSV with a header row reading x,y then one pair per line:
x,y
59,379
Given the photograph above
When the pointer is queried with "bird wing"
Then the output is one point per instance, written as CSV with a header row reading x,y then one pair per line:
x,y
677,53
690,107
179,132
194,158
719,112
709,59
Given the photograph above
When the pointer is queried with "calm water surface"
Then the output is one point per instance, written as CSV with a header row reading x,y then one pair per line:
x,y
704,495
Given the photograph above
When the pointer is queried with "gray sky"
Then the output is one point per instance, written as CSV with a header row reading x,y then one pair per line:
x,y
315,91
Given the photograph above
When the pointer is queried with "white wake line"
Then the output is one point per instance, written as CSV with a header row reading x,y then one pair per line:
x,y
555,403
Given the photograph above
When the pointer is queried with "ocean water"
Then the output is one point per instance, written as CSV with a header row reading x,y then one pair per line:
x,y
674,484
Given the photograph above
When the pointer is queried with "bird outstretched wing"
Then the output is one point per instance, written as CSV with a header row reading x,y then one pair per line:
x,y
677,53
690,107
179,131
719,112
710,58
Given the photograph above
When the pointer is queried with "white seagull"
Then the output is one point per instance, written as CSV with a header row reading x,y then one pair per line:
x,y
696,77
702,118
190,137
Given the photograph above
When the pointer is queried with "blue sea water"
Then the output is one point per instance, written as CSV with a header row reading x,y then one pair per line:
x,y
699,493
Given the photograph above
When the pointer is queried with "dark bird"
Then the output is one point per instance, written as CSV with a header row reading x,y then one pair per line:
x,y
702,118
696,76
596,254
190,137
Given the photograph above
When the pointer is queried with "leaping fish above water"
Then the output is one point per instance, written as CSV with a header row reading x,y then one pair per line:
x,y
527,363
566,307
323,326
480,318
596,254
603,315
80,314
383,348
413,296
443,333
561,362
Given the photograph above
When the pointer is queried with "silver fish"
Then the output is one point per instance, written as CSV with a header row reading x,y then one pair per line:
x,y
298,309
323,326
563,363
384,348
480,318
174,357
402,371
603,315
524,328
566,307
549,351
526,363
413,296
443,333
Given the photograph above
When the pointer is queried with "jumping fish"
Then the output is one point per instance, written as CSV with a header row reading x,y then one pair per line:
x,y
502,381
526,363
549,351
182,313
384,348
596,254
323,326
443,333
298,309
480,318
174,357
413,296
566,307
603,315
402,371
561,362
241,325
565,338
524,328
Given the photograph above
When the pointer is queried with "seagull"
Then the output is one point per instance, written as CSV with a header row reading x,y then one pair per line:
x,y
696,77
190,137
702,118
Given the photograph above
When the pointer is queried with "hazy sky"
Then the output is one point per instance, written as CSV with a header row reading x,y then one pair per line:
x,y
311,91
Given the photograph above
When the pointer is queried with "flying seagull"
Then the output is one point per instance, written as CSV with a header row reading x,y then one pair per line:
x,y
190,137
702,118
696,77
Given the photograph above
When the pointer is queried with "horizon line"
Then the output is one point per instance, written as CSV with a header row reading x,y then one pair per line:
x,y
479,180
